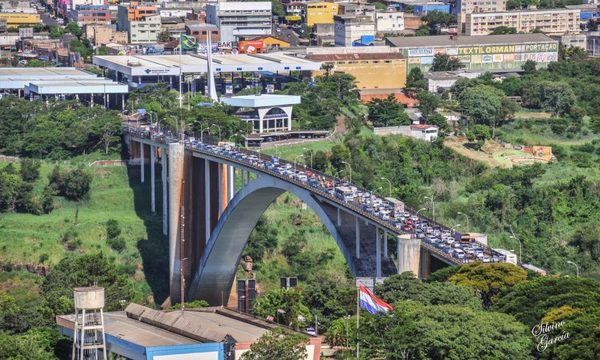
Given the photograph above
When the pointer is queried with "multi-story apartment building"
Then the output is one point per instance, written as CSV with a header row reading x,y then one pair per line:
x,y
90,14
350,28
240,20
389,21
321,13
549,21
142,22
464,7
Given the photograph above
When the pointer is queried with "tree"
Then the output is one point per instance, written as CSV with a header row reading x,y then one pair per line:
x,y
30,169
437,19
417,331
529,67
445,62
531,300
489,279
77,184
415,80
573,53
278,343
553,96
85,270
406,286
482,104
74,29
423,31
479,133
164,36
501,30
428,102
387,112
285,305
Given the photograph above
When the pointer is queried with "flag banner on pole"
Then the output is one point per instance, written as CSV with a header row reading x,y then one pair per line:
x,y
187,42
372,303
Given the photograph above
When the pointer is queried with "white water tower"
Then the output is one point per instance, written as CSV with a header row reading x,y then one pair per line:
x,y
89,341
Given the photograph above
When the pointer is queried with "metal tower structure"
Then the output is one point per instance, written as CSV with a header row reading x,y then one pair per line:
x,y
89,341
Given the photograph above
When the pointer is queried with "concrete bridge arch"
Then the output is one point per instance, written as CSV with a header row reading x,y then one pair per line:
x,y
218,264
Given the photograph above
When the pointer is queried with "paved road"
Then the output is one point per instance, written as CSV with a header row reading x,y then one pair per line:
x,y
48,20
288,34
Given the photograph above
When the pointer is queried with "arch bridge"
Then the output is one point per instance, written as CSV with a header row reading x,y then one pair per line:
x,y
213,197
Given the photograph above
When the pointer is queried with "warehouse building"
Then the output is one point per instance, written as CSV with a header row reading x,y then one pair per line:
x,y
549,21
499,53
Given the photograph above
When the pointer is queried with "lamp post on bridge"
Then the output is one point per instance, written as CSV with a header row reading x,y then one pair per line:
x,y
467,217
311,156
576,266
349,166
432,206
218,127
453,229
295,161
389,184
520,248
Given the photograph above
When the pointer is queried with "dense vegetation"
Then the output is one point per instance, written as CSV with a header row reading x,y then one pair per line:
x,y
57,130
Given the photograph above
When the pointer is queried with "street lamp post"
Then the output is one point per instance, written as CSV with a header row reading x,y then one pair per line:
x,y
295,161
218,127
576,266
334,177
389,184
349,166
311,156
520,248
466,216
432,206
454,227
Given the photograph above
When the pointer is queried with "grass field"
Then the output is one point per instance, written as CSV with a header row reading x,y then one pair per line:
x,y
25,238
288,152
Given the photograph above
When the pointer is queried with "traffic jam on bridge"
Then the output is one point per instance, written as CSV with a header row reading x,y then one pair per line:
x,y
389,212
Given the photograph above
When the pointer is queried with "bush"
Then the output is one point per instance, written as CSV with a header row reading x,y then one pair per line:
x,y
117,244
113,229
30,169
71,239
43,258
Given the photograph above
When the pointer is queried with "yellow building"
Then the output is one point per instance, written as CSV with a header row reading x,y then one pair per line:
x,y
371,70
320,13
17,19
271,43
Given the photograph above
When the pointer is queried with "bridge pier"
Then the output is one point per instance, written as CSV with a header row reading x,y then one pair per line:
x,y
409,255
152,179
207,200
163,169
142,161
176,174
377,252
425,265
357,231
385,243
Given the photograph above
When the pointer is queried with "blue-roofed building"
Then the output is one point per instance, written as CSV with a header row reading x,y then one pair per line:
x,y
142,333
423,9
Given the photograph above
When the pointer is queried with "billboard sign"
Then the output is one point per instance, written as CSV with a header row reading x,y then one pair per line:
x,y
420,52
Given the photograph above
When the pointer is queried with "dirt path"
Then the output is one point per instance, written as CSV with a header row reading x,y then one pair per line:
x,y
457,144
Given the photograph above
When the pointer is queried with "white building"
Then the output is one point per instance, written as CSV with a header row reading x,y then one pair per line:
x,y
389,21
145,31
464,7
593,43
74,3
237,20
549,21
350,28
266,113
424,132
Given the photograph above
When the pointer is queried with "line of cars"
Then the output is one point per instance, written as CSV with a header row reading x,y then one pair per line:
x,y
389,210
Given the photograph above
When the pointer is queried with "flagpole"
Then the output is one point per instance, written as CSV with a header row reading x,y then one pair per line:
x,y
357,319
180,89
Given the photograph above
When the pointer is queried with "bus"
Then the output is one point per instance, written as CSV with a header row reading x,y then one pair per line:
x,y
397,206
344,193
